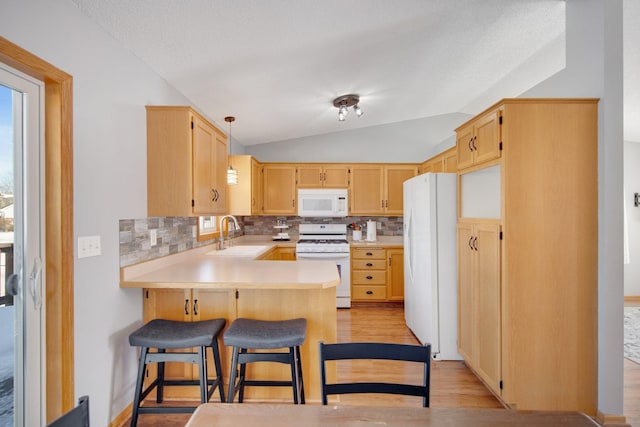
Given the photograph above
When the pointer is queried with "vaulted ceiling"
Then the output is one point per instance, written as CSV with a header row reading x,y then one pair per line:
x,y
277,65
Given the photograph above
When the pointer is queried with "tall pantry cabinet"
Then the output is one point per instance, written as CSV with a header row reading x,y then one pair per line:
x,y
527,252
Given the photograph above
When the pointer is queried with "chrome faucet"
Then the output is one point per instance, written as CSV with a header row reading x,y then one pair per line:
x,y
235,226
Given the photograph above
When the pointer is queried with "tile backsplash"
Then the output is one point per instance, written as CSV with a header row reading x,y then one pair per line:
x,y
176,234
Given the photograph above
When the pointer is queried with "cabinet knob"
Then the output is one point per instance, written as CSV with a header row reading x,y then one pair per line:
x,y
369,277
369,254
369,292
369,264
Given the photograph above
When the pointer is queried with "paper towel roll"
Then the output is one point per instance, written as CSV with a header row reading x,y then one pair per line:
x,y
371,231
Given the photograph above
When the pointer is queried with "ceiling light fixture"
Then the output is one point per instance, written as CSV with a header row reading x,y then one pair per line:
x,y
232,174
342,103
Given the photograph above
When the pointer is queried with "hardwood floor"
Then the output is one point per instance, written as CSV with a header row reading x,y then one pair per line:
x,y
452,383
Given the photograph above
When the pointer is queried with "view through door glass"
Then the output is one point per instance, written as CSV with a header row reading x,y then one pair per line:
x,y
21,311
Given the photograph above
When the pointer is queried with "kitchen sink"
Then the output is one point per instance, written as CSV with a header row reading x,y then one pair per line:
x,y
242,250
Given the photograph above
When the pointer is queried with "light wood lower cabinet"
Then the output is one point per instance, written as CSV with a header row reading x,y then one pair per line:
x,y
377,274
316,305
279,253
189,305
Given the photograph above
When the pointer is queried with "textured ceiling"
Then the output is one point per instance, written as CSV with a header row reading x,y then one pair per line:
x,y
277,65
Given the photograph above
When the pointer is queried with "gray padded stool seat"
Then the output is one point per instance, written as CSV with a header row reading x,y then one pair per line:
x,y
164,334
250,334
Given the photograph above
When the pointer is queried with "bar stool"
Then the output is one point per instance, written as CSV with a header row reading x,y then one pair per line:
x,y
250,334
169,334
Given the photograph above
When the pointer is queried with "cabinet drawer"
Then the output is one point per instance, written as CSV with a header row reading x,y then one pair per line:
x,y
368,264
373,277
368,253
369,292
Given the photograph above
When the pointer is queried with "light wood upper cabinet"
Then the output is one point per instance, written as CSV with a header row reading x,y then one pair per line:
x,y
367,190
447,161
279,194
376,189
245,198
322,175
186,163
480,140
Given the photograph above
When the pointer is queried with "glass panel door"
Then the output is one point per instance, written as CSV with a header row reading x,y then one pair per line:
x,y
22,347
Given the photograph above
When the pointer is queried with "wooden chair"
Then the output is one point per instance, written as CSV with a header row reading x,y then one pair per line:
x,y
376,351
77,417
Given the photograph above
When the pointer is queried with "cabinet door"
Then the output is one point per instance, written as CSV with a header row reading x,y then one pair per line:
x,y
309,176
466,306
170,304
450,161
395,274
465,150
335,176
256,187
279,189
487,134
204,152
395,176
210,304
489,313
367,184
219,174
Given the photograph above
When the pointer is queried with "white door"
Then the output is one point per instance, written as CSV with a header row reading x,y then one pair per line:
x,y
22,347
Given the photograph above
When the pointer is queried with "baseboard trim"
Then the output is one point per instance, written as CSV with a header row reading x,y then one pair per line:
x,y
122,416
610,420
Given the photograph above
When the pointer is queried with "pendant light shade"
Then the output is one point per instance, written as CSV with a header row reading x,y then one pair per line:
x,y
232,174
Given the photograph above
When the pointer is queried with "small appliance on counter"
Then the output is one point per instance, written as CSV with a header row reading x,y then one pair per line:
x,y
282,234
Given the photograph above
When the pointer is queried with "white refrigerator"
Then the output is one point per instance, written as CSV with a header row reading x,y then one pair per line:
x,y
430,278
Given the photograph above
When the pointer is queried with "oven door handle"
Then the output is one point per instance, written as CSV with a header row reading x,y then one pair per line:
x,y
321,255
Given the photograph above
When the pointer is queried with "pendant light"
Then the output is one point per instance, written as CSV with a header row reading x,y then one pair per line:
x,y
232,174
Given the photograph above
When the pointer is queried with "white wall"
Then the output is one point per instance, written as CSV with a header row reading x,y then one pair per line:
x,y
110,89
411,141
594,69
631,186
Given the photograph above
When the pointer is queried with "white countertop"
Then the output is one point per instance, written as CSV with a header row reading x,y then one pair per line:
x,y
198,268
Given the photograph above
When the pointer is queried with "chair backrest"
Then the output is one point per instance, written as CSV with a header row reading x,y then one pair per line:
x,y
379,351
77,417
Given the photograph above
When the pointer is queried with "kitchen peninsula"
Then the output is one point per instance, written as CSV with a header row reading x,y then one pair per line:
x,y
202,284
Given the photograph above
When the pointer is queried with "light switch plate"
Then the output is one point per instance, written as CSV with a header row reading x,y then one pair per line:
x,y
153,237
88,246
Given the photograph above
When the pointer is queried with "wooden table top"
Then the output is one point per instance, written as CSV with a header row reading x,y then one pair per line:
x,y
285,415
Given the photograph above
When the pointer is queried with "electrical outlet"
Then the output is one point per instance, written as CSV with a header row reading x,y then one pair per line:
x,y
88,246
153,237
378,225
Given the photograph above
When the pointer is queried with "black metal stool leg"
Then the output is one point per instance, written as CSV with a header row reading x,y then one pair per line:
x,y
160,386
216,359
202,358
294,373
139,381
232,375
300,376
242,378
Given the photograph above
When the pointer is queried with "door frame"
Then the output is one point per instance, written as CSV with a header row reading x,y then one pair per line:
x,y
58,163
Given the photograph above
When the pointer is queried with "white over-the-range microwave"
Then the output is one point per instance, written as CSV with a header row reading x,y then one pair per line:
x,y
323,202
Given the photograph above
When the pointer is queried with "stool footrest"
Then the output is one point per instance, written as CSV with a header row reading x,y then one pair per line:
x,y
172,357
264,357
166,409
267,383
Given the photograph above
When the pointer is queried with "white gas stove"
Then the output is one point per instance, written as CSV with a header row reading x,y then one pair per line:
x,y
328,242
